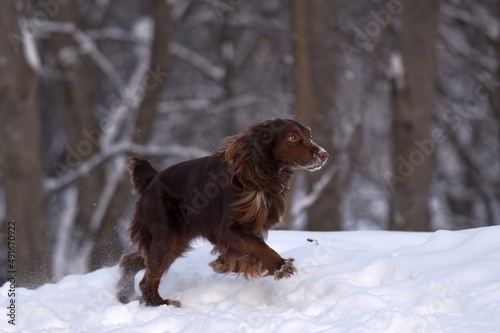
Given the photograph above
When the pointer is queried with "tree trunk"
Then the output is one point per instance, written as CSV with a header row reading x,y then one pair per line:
x,y
77,103
108,248
313,48
412,103
21,160
495,99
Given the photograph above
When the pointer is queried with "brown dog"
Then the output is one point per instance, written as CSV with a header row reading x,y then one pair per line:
x,y
232,198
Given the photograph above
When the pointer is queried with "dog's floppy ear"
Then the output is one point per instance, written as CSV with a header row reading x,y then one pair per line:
x,y
247,155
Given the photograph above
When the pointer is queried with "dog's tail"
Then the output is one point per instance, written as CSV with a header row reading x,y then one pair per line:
x,y
141,173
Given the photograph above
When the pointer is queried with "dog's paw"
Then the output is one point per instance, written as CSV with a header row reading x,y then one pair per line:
x,y
173,303
286,270
219,266
159,302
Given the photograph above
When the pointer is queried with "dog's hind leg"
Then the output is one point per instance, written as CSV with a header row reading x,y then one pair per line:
x,y
130,264
164,249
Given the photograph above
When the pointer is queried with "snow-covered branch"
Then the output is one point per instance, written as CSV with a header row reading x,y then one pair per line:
x,y
237,102
201,63
30,51
318,187
209,107
223,106
87,46
458,45
55,184
396,71
192,104
130,94
479,18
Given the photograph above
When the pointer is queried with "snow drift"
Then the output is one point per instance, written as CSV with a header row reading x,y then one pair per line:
x,y
347,282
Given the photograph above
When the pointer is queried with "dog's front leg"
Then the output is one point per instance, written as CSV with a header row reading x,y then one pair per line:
x,y
245,243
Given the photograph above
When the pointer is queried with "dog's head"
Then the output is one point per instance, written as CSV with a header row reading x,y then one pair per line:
x,y
293,146
264,149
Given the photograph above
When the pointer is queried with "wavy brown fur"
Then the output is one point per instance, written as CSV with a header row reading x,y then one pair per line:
x,y
232,198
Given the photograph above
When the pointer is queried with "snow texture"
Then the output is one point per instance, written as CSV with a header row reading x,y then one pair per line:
x,y
365,281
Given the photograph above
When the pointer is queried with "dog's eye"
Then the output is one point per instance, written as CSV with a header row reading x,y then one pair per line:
x,y
293,137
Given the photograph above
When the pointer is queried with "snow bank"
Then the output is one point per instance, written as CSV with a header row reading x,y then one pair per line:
x,y
347,282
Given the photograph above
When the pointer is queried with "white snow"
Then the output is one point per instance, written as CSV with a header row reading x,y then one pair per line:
x,y
364,281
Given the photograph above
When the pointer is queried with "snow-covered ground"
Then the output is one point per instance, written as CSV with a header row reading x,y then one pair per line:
x,y
347,282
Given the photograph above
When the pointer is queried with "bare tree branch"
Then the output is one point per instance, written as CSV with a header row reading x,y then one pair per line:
x,y
87,46
460,47
479,18
203,64
318,187
56,184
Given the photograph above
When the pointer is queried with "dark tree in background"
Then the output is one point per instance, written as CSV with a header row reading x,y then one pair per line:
x,y
313,51
21,156
107,246
403,94
412,104
74,86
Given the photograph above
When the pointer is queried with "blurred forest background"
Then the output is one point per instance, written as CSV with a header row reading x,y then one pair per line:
x,y
404,95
